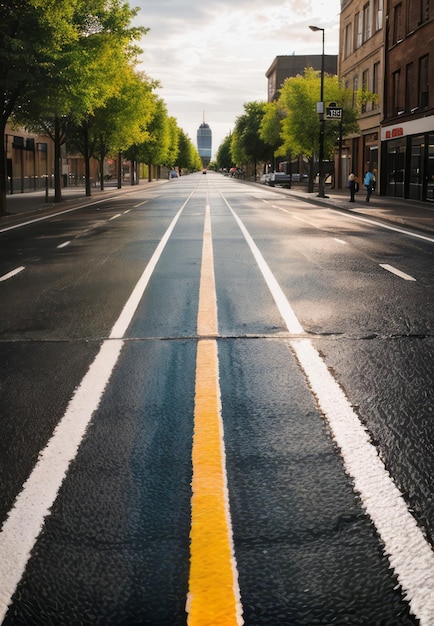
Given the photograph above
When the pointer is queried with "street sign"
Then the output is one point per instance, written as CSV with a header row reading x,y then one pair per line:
x,y
333,113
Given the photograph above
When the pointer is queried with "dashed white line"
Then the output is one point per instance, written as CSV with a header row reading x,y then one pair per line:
x,y
12,273
115,216
397,272
405,546
63,245
340,241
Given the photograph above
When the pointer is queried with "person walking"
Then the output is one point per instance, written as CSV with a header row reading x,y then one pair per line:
x,y
353,186
368,182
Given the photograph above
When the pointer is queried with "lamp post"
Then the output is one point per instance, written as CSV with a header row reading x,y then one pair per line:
x,y
320,111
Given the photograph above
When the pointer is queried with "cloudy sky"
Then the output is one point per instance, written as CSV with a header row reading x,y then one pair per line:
x,y
211,57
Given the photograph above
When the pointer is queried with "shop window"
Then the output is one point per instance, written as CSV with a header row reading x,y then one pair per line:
x,y
416,167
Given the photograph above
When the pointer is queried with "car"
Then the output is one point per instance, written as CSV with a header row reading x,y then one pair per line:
x,y
265,178
204,171
173,174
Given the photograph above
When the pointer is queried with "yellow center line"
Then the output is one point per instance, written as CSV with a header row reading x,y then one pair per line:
x,y
213,598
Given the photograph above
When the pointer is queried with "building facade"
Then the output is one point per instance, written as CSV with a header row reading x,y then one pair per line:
x,y
204,143
385,48
361,69
284,67
407,131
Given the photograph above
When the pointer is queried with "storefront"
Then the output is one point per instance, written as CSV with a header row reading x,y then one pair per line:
x,y
407,160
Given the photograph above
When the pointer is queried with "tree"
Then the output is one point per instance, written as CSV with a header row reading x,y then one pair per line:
x,y
270,129
83,72
188,157
300,126
120,122
31,35
154,149
246,143
224,155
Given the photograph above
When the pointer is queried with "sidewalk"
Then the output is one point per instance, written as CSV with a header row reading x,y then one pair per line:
x,y
24,206
410,213
399,211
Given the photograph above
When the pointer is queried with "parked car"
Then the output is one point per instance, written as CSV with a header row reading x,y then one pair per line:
x,y
173,174
265,179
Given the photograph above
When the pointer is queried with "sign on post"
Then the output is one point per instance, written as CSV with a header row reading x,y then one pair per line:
x,y
333,113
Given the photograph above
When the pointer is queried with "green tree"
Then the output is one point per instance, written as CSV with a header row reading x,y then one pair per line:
x,y
84,72
224,158
188,157
301,125
121,122
32,33
246,143
270,129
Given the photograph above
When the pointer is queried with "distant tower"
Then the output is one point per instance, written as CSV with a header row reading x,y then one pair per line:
x,y
204,142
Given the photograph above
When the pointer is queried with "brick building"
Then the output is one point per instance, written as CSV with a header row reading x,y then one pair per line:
x,y
361,69
286,66
407,133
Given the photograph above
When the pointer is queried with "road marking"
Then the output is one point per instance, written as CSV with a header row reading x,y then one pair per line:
x,y
358,217
25,521
140,204
281,209
340,241
214,596
115,216
63,245
12,273
409,554
397,272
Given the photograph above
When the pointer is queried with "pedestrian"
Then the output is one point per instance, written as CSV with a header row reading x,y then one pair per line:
x,y
353,186
369,181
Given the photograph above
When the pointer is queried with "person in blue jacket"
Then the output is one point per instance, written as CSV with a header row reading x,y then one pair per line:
x,y
369,181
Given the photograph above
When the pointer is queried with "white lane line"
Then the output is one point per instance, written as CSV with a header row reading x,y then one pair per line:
x,y
127,211
115,216
283,305
47,217
63,245
340,241
405,546
397,272
395,229
300,219
25,521
281,209
141,204
12,273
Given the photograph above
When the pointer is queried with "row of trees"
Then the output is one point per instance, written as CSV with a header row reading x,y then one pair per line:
x,y
69,69
290,126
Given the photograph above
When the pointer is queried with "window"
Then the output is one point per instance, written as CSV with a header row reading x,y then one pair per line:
x,y
355,89
365,79
395,92
348,40
410,88
358,27
397,24
376,78
423,82
366,22
379,15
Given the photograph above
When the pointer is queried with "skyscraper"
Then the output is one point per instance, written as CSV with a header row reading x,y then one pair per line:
x,y
204,142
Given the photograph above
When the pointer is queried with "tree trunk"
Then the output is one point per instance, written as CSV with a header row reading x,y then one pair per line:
x,y
310,184
3,169
119,169
86,160
57,157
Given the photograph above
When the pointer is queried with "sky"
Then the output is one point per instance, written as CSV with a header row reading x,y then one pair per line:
x,y
211,57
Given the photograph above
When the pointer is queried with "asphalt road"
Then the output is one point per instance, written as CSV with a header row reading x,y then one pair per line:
x,y
216,405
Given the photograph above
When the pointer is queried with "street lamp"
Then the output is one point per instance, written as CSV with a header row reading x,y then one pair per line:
x,y
320,110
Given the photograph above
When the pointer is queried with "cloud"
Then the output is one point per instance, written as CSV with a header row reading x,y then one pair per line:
x,y
212,57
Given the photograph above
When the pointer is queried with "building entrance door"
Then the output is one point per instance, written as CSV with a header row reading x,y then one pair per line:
x,y
430,169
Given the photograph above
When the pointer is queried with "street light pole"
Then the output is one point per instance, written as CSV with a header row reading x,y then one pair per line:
x,y
320,110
